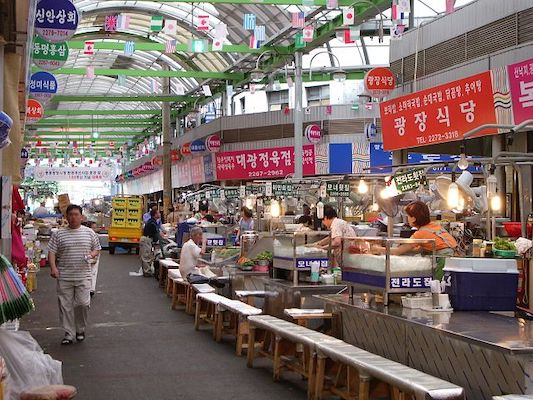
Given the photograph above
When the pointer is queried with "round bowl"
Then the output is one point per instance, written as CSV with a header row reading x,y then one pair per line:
x,y
504,253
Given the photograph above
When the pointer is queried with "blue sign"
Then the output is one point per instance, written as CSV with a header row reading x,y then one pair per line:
x,y
411,282
216,242
56,20
198,146
306,262
209,170
42,85
380,157
340,158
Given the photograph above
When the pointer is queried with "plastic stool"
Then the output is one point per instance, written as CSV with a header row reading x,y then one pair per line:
x,y
51,392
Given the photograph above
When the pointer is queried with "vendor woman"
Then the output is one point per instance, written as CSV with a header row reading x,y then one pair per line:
x,y
418,217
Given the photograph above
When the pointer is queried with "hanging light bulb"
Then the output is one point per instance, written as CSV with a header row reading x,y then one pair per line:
x,y
362,188
249,203
320,209
82,151
95,135
463,162
496,203
275,209
375,207
453,195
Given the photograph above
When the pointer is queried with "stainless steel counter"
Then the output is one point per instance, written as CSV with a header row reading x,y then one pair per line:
x,y
284,294
486,353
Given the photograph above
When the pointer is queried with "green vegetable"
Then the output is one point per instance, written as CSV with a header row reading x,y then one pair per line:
x,y
503,244
248,264
265,255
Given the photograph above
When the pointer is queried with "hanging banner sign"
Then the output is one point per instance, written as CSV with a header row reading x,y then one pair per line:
x,y
313,133
379,82
213,143
34,111
282,189
338,189
254,189
262,163
196,166
47,55
175,155
186,149
440,114
521,83
209,168
72,174
42,85
56,20
230,194
410,180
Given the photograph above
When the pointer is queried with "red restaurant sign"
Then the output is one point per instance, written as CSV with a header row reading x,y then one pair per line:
x,y
379,82
440,114
264,163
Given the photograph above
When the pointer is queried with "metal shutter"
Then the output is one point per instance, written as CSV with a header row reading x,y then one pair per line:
x,y
492,37
525,26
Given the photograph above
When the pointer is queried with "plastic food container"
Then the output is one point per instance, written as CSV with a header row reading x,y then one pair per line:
x,y
417,301
504,253
514,229
488,284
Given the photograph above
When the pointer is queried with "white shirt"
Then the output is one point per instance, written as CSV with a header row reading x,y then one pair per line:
x,y
341,228
40,211
190,253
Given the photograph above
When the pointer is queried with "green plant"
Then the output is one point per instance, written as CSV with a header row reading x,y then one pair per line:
x,y
265,255
503,244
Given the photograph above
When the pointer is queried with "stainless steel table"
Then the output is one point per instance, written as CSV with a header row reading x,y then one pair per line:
x,y
486,353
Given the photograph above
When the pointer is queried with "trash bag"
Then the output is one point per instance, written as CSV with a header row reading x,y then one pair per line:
x,y
27,365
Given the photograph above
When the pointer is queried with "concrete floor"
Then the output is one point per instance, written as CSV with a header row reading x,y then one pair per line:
x,y
138,348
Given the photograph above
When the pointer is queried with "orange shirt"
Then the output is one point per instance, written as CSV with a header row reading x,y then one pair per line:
x,y
440,243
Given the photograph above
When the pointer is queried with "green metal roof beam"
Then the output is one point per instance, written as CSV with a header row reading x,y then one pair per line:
x,y
68,121
342,3
115,99
74,133
151,46
49,113
149,73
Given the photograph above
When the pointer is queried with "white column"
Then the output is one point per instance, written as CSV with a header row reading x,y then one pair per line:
x,y
298,117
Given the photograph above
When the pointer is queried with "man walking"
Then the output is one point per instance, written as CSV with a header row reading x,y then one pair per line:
x,y
71,253
149,241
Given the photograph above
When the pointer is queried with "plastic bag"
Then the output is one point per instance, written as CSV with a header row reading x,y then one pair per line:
x,y
27,365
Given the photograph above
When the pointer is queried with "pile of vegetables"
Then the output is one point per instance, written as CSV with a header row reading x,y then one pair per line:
x,y
504,244
264,256
228,252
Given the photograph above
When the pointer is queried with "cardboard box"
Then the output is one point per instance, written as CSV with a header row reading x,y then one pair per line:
x,y
64,202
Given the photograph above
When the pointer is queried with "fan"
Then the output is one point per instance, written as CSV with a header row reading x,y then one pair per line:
x,y
476,197
391,205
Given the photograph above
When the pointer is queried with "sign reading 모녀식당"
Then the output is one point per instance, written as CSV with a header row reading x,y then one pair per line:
x,y
338,189
410,180
282,189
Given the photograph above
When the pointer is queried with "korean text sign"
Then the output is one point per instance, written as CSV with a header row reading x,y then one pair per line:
x,y
521,83
262,163
410,180
440,114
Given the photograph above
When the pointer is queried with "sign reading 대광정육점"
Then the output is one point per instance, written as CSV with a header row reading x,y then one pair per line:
x,y
71,174
440,114
409,180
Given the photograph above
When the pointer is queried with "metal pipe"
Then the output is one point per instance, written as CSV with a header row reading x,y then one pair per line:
x,y
167,143
298,117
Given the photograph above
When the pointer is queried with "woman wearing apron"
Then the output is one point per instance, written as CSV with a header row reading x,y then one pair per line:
x,y
418,217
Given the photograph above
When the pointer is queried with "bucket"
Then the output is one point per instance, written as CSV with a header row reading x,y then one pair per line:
x,y
260,268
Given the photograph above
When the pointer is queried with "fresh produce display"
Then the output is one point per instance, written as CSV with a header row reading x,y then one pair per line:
x,y
264,256
504,244
227,252
248,263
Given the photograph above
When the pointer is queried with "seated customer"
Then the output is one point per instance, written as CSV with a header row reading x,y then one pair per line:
x,y
191,251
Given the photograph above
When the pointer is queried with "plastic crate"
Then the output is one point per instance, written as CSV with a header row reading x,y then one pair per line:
x,y
481,284
119,212
135,203
118,222
133,223
134,214
118,202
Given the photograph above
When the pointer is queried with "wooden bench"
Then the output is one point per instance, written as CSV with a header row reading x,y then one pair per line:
x,y
302,316
192,291
513,397
239,312
206,310
358,367
249,296
171,275
166,264
290,346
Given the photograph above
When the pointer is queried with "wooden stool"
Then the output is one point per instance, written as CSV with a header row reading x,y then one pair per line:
x,y
51,392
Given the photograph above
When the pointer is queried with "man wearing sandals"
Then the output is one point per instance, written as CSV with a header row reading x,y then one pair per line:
x,y
71,253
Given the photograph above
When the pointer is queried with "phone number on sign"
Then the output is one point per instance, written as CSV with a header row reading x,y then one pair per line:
x,y
260,174
437,137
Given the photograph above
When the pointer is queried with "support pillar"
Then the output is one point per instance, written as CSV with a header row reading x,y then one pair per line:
x,y
167,165
298,116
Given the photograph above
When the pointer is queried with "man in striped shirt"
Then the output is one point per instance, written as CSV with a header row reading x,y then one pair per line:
x,y
72,252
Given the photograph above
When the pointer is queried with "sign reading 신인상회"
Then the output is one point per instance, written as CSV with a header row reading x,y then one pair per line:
x,y
440,114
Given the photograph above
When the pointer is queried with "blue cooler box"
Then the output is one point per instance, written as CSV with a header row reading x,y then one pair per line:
x,y
481,284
